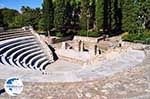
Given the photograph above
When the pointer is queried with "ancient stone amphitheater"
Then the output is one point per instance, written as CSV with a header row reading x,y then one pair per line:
x,y
24,49
24,54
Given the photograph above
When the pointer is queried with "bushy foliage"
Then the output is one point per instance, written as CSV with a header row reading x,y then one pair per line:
x,y
27,17
18,21
8,15
135,37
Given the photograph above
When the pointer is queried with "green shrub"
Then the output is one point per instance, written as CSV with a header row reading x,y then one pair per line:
x,y
138,38
88,33
128,37
82,33
147,41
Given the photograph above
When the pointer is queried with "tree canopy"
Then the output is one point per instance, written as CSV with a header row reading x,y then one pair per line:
x,y
75,16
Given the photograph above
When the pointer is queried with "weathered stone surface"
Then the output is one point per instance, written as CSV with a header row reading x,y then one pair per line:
x,y
133,83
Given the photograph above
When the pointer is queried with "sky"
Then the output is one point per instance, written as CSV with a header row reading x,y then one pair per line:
x,y
17,4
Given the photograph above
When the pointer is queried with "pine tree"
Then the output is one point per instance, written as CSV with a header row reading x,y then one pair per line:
x,y
48,14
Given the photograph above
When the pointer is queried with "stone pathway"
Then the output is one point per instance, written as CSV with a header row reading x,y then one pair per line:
x,y
63,71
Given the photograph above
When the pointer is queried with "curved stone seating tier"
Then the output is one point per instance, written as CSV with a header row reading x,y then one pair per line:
x,y
22,49
15,36
44,64
29,57
14,49
32,62
3,49
14,61
14,56
15,41
15,30
17,53
40,64
35,58
8,47
22,57
7,54
14,33
39,61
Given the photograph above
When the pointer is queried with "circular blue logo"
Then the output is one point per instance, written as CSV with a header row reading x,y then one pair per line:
x,y
13,86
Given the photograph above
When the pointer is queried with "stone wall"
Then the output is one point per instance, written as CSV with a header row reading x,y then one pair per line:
x,y
136,46
90,39
1,29
44,45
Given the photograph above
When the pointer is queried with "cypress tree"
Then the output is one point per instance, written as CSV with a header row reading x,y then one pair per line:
x,y
99,14
146,13
113,4
59,14
84,14
48,14
116,16
76,15
130,16
68,15
1,19
92,11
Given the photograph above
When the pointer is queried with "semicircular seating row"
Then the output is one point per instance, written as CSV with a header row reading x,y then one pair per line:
x,y
21,49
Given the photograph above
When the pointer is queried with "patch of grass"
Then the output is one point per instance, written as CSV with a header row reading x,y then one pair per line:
x,y
88,33
59,34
